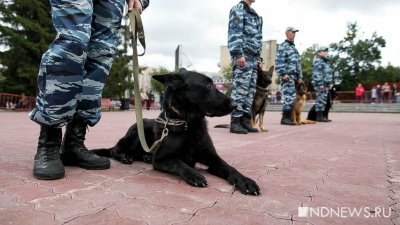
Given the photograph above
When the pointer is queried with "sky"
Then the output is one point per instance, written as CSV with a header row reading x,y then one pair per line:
x,y
201,27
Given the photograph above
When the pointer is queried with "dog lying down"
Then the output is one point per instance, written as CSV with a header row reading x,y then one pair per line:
x,y
189,97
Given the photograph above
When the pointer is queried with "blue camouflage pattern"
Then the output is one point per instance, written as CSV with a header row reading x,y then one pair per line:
x,y
244,40
244,31
74,69
288,62
321,76
244,86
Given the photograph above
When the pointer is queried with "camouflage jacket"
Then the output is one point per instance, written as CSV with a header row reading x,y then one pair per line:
x,y
145,3
288,60
244,31
322,72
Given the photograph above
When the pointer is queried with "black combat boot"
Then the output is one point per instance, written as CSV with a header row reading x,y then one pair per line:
x,y
48,165
286,117
236,127
320,117
246,123
74,152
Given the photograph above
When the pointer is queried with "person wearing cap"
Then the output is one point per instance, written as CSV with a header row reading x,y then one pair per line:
x,y
288,68
244,43
321,80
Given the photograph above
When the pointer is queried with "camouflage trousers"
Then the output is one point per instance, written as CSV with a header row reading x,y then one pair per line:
x,y
289,93
244,86
74,69
321,97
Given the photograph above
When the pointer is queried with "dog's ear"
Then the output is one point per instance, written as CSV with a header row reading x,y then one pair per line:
x,y
271,70
169,78
182,70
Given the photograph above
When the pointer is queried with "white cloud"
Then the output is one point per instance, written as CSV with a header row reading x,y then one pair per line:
x,y
201,26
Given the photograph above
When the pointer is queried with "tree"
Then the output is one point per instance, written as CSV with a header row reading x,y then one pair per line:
x,y
26,32
353,57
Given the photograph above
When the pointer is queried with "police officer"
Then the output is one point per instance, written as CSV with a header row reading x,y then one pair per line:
x,y
71,78
321,80
244,43
288,68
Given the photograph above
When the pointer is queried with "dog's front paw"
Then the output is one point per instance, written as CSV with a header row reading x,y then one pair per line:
x,y
126,158
196,180
247,186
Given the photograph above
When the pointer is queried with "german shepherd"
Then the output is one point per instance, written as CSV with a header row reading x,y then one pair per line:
x,y
189,97
260,101
312,114
301,98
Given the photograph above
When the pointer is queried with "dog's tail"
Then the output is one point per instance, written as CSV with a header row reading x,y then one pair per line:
x,y
222,126
105,152
308,122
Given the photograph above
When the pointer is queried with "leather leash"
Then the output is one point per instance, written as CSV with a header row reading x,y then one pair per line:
x,y
138,33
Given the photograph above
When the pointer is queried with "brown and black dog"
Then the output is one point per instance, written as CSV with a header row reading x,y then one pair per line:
x,y
301,98
260,101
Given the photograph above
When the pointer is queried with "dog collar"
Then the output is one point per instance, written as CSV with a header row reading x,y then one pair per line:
x,y
174,125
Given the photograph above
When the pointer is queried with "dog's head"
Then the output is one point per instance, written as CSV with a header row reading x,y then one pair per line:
x,y
264,78
194,93
301,88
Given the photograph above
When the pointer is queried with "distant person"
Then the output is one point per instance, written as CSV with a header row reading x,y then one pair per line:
x,y
386,92
395,93
245,44
288,68
321,80
359,93
374,94
379,93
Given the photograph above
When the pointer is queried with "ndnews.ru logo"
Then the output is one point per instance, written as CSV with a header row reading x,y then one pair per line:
x,y
345,212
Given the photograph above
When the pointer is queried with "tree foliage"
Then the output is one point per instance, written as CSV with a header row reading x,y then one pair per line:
x,y
353,57
25,33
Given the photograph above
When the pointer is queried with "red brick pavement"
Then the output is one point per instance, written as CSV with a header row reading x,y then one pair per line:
x,y
349,164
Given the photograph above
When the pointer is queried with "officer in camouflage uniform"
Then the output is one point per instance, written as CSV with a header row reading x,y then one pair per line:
x,y
288,68
321,80
71,79
244,43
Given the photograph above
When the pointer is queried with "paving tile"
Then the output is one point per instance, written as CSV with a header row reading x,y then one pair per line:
x,y
25,214
64,207
228,214
142,210
105,217
329,165
27,192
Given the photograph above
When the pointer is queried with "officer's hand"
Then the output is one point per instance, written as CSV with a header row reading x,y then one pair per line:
x,y
135,4
321,87
286,77
241,61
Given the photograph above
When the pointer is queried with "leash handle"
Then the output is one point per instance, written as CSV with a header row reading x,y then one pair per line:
x,y
138,33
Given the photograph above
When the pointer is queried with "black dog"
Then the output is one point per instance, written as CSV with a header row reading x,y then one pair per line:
x,y
312,114
188,98
260,101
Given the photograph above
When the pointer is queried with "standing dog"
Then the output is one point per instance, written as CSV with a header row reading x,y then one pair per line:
x,y
260,101
181,131
301,98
